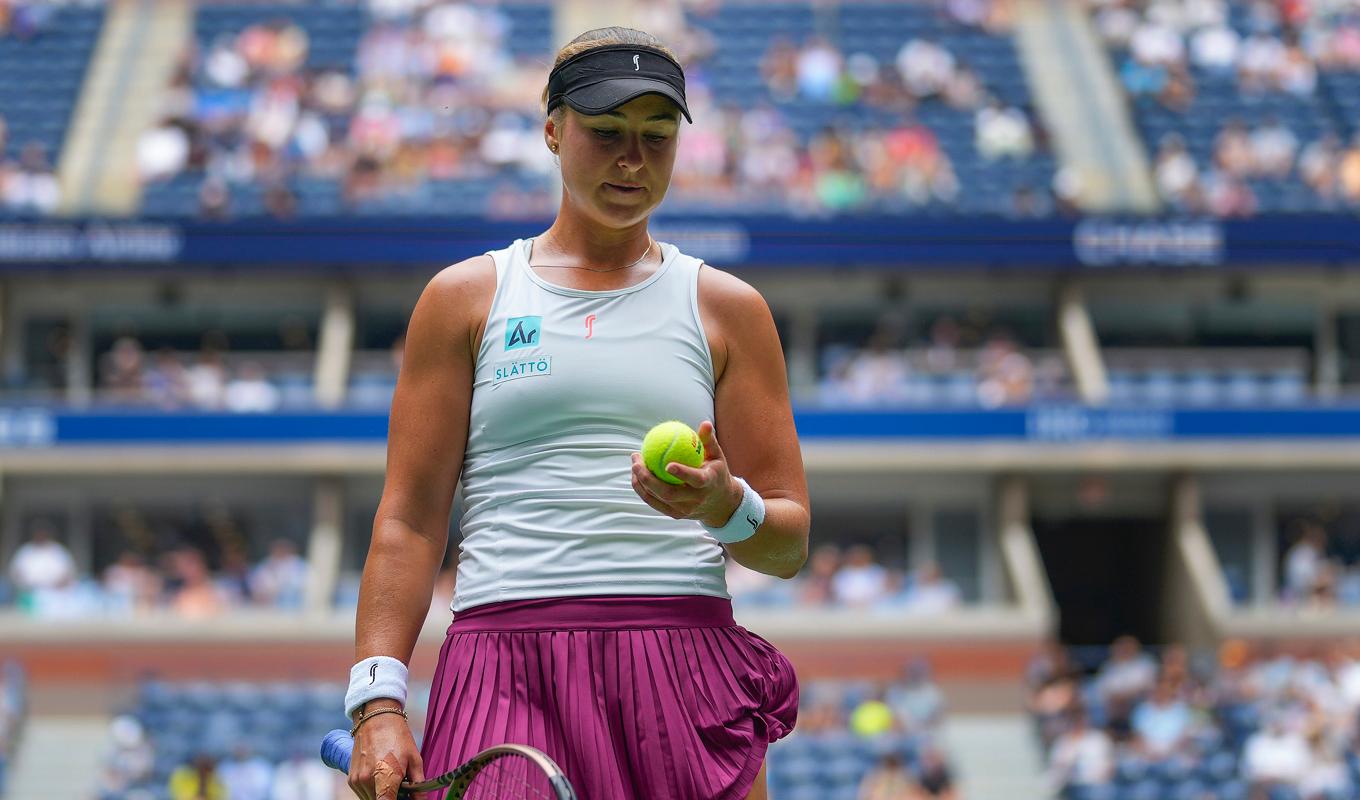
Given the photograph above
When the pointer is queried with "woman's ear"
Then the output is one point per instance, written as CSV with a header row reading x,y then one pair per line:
x,y
550,134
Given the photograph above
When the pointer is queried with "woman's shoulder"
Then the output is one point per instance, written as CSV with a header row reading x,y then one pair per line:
x,y
470,274
456,300
725,297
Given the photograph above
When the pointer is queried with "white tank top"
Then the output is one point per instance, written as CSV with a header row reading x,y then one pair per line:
x,y
567,383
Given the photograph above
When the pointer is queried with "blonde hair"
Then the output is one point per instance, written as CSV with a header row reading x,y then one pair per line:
x,y
602,37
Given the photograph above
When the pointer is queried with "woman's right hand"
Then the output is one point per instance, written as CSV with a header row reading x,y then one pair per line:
x,y
385,755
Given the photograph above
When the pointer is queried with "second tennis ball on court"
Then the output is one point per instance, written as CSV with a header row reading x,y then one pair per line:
x,y
671,441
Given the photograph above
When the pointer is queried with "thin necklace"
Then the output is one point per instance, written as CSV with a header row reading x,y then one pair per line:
x,y
645,253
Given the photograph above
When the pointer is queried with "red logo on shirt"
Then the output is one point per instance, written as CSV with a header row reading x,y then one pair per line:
x,y
590,326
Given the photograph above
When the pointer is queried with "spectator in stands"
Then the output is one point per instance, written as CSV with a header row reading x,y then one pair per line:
x,y
930,591
1125,678
889,780
246,775
163,151
917,703
1275,756
1214,48
1319,166
818,69
233,578
281,578
207,377
926,68
1054,692
1175,173
198,595
860,582
30,185
130,761
1161,724
42,562
1326,776
815,582
1303,563
877,373
1273,147
130,585
1261,64
1003,132
1005,374
250,391
165,383
122,371
197,781
1082,762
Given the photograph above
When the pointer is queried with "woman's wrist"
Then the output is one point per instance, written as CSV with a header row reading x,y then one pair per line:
x,y
731,503
374,705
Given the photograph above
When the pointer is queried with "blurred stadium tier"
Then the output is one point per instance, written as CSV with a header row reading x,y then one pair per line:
x,y
1069,295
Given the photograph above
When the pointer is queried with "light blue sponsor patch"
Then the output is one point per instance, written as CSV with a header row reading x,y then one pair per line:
x,y
523,332
503,371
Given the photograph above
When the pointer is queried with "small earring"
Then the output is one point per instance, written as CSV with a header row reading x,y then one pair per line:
x,y
552,147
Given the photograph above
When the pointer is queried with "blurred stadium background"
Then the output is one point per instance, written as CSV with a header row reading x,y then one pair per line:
x,y
1070,296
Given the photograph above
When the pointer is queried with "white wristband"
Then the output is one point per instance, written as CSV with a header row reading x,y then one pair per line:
x,y
745,521
373,678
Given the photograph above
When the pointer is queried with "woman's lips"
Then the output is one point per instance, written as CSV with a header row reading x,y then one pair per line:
x,y
624,189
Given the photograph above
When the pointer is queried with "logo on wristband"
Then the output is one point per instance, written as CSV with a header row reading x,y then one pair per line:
x,y
372,674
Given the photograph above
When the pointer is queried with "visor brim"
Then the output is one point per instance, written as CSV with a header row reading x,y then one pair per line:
x,y
609,95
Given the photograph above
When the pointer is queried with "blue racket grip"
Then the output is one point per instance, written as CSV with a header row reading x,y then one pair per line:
x,y
336,750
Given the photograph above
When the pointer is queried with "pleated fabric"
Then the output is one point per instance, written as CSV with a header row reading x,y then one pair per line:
x,y
662,698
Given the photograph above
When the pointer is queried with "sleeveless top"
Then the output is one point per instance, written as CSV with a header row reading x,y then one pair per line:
x,y
567,382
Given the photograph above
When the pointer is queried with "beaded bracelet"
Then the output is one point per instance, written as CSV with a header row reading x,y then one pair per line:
x,y
366,716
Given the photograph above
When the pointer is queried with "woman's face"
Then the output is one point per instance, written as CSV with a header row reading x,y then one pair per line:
x,y
617,166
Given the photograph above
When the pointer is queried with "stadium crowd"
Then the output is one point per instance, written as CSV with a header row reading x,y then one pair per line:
x,y
159,370
960,361
1243,725
134,764
46,582
189,741
847,578
867,741
439,94
1280,131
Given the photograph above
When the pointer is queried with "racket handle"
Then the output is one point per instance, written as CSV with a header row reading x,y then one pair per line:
x,y
336,750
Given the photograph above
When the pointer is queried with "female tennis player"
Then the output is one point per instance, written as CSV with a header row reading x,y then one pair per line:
x,y
592,619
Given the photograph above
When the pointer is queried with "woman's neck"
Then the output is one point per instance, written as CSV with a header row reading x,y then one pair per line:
x,y
576,243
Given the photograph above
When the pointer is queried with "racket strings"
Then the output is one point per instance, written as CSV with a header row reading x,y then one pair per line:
x,y
509,777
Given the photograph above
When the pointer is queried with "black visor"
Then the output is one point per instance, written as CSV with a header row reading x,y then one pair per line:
x,y
605,78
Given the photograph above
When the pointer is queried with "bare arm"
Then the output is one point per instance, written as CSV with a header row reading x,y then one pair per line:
x,y
754,420
426,439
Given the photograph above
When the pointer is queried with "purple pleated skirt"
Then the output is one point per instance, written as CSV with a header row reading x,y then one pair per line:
x,y
636,698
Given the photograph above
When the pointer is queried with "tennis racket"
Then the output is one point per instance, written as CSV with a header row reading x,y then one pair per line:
x,y
503,772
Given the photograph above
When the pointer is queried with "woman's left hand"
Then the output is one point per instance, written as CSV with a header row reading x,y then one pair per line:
x,y
708,493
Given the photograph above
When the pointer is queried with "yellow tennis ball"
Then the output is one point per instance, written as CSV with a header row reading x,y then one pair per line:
x,y
671,441
872,718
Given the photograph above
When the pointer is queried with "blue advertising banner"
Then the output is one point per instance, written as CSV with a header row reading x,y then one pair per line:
x,y
37,427
909,243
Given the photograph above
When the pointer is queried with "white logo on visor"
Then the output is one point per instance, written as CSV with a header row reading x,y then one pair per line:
x,y
636,67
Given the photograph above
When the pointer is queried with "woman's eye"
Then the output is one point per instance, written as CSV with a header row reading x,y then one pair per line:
x,y
655,138
605,134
